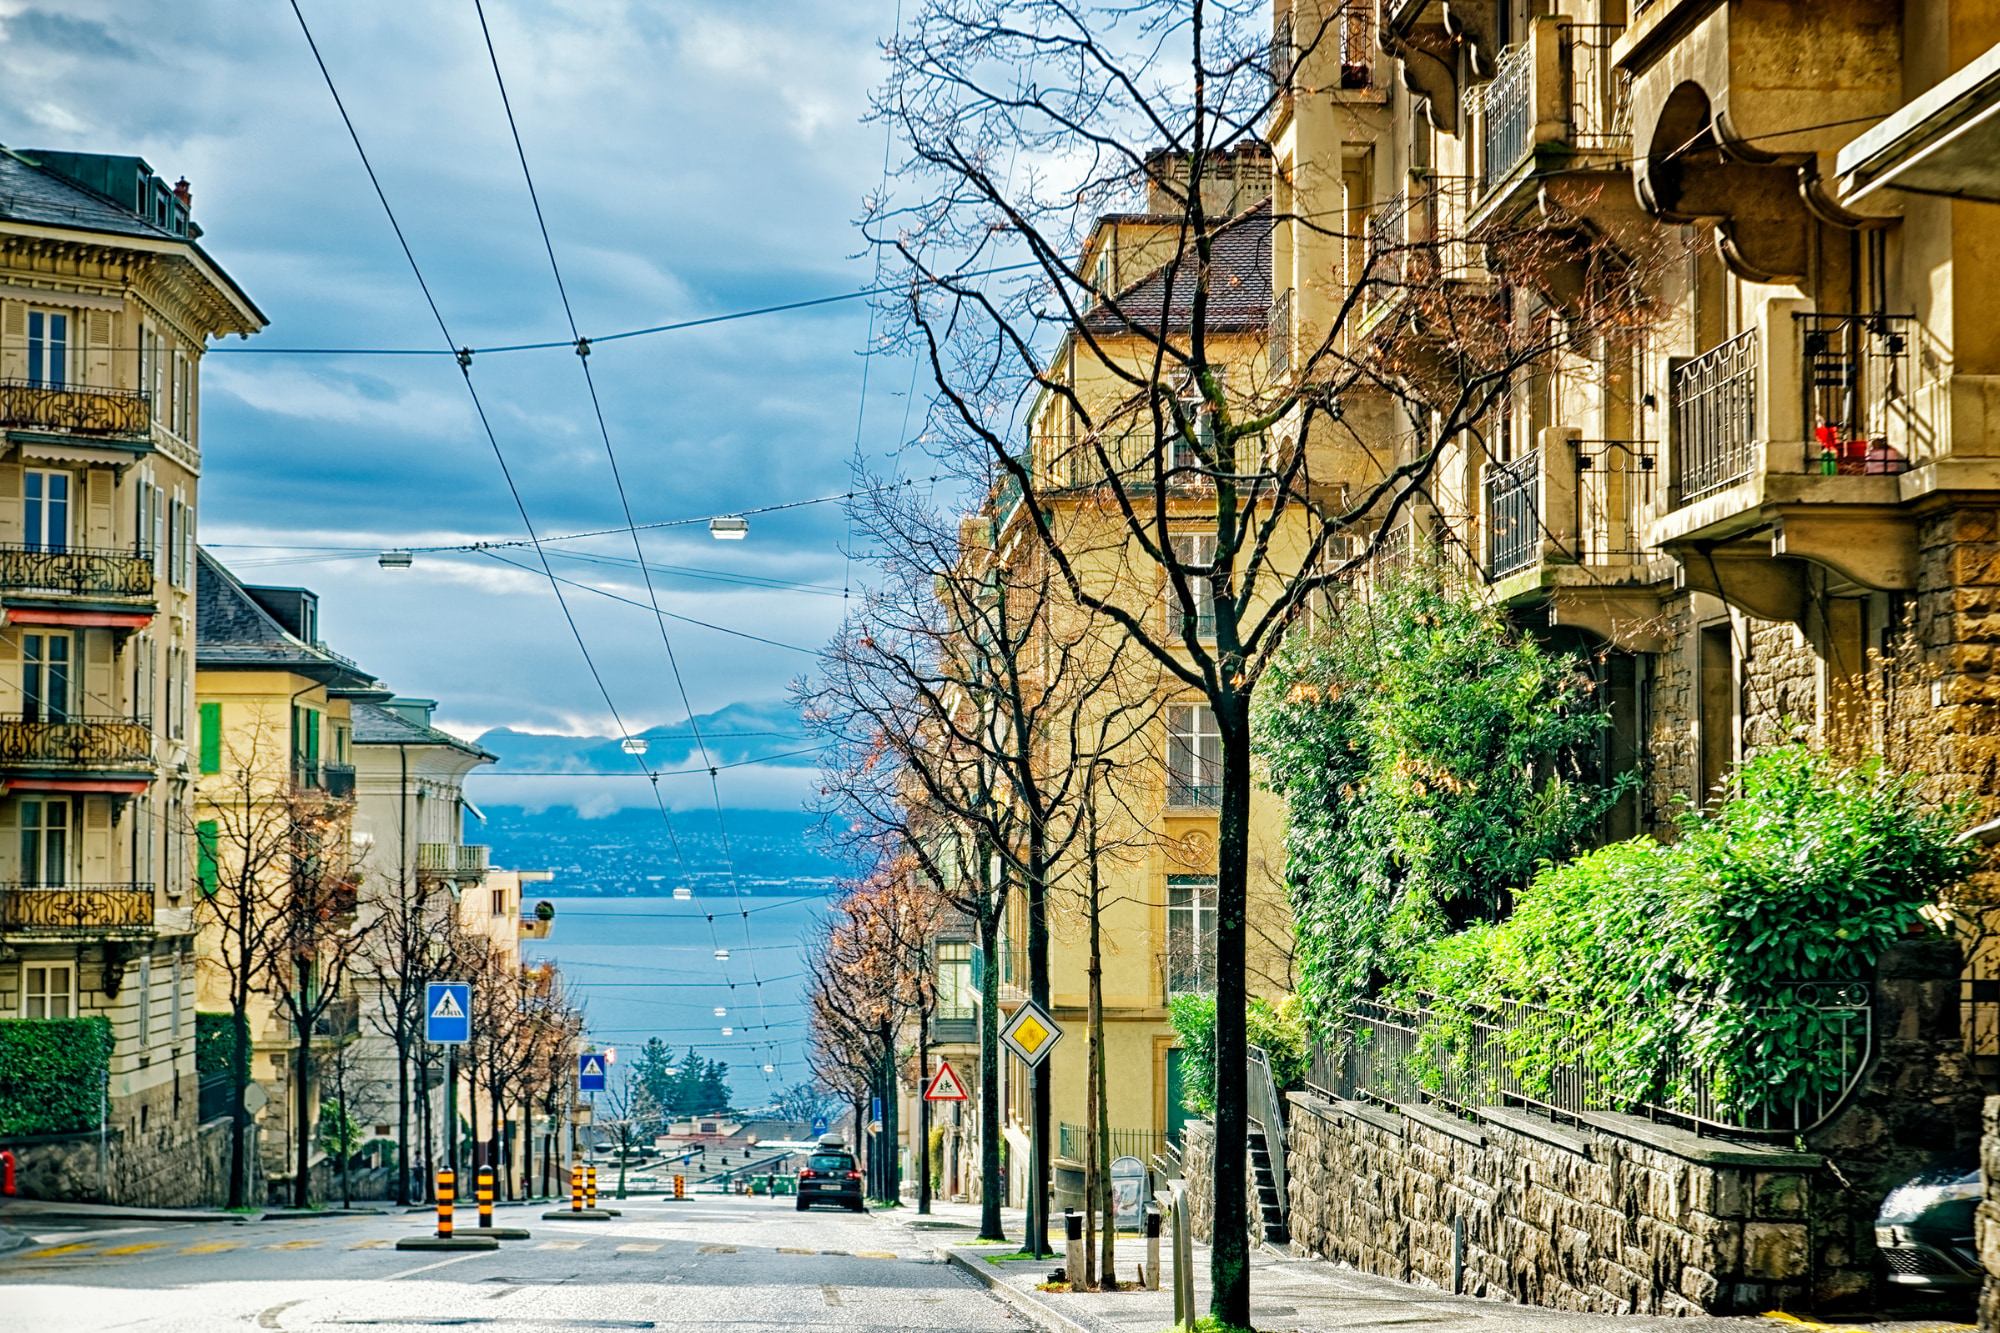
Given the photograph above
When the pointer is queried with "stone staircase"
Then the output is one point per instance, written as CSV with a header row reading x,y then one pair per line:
x,y
1270,1208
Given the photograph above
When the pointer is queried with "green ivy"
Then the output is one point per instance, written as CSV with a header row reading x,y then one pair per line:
x,y
1276,1029
1427,753
213,1049
1654,959
52,1074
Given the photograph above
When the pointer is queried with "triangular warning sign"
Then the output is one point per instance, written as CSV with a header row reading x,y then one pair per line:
x,y
945,1086
447,1006
592,1065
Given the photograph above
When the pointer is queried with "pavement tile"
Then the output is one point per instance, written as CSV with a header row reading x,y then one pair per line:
x,y
562,1245
638,1249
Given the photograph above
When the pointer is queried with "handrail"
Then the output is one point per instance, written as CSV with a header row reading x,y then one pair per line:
x,y
1268,1114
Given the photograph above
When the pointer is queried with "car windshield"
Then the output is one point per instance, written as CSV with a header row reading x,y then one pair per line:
x,y
827,1161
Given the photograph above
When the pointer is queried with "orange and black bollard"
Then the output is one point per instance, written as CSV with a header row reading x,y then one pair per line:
x,y
485,1188
680,1187
447,1190
590,1185
576,1188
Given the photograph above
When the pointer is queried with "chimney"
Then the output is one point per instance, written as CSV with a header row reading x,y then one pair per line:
x,y
184,194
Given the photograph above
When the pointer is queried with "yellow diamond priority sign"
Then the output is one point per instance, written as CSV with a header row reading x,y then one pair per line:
x,y
1031,1034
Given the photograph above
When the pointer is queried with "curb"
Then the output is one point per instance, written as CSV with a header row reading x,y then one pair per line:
x,y
444,1243
1041,1315
106,1212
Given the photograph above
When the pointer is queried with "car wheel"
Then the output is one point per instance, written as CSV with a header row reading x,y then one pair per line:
x,y
859,1206
803,1205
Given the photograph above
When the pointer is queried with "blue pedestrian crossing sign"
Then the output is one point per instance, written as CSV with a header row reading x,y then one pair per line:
x,y
448,1013
819,1126
590,1072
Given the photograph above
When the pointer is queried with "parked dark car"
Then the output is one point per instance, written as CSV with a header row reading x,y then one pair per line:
x,y
829,1176
1925,1229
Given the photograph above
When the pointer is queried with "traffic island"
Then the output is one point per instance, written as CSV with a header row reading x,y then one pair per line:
x,y
471,1242
504,1233
579,1215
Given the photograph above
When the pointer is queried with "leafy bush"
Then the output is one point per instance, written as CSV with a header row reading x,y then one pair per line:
x,y
213,1049
52,1074
1276,1029
1694,952
1430,757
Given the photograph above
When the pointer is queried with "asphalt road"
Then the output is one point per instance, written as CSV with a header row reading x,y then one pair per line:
x,y
709,1263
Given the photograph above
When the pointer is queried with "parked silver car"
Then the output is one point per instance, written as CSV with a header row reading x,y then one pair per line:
x,y
1925,1229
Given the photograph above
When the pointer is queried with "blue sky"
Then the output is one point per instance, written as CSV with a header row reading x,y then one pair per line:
x,y
693,159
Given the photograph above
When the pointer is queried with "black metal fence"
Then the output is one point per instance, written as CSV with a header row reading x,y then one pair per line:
x,y
73,410
1139,1143
77,570
1513,514
1523,1054
1715,417
63,907
82,741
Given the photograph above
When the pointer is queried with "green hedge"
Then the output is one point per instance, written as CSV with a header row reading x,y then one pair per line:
x,y
52,1074
212,1046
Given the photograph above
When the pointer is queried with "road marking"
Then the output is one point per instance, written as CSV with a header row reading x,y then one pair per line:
x,y
412,1272
831,1293
212,1247
873,1254
786,1249
290,1245
140,1248
63,1249
269,1318
717,1249
368,1245
637,1249
561,1245
841,1253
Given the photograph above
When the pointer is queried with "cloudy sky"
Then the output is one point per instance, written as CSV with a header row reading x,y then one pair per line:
x,y
693,158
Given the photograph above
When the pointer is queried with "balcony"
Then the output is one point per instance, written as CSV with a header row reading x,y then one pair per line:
x,y
1279,341
1788,442
67,908
1013,965
77,742
1340,57
121,414
1556,120
451,860
1513,515
338,779
76,572
340,1020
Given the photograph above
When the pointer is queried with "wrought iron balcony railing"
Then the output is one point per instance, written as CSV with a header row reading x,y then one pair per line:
x,y
1509,105
1856,371
451,858
1615,485
81,742
1280,334
63,907
1715,418
72,410
79,571
1513,514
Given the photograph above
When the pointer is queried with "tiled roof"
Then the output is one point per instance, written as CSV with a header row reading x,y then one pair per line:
x,y
29,194
1239,293
233,632
376,725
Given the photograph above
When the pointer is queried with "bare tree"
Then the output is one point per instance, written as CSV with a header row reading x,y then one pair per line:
x,y
1024,122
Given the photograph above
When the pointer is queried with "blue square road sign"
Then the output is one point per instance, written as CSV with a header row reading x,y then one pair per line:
x,y
590,1071
448,1013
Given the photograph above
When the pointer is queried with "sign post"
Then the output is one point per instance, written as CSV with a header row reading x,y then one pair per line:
x,y
1031,1034
448,1023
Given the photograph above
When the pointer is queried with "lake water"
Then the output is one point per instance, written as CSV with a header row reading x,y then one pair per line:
x,y
646,967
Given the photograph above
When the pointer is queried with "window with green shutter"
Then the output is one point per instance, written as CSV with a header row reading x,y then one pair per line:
x,y
207,868
211,738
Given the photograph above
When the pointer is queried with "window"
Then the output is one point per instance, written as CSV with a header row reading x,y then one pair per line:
x,y
173,686
45,509
499,902
142,523
954,979
45,676
159,531
48,348
45,825
46,993
1190,935
208,870
1194,756
305,745
211,738
176,1034
1198,549
175,517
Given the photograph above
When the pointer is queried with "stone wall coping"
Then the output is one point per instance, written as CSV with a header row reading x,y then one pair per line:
x,y
1444,1122
1323,1107
1697,1148
1529,1125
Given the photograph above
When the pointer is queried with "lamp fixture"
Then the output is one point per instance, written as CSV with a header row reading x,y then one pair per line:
x,y
729,528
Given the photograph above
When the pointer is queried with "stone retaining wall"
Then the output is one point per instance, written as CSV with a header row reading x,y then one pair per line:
x,y
1987,1219
154,1170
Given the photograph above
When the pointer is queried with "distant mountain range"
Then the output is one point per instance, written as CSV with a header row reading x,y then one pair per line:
x,y
733,734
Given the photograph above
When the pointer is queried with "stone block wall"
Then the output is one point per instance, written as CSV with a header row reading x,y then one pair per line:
x,y
156,1170
1198,1162
1987,1220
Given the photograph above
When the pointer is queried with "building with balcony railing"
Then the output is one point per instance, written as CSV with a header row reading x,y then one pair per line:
x,y
107,303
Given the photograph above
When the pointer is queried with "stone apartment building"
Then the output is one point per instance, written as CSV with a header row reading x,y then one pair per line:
x,y
107,301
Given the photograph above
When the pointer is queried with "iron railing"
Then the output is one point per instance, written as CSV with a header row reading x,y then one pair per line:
x,y
1354,25
1513,514
1387,245
1856,371
1284,56
1279,341
72,410
1715,418
1524,1054
215,1100
30,907
77,570
451,858
77,742
1509,106
1600,94
1614,487
338,780
1266,1110
1013,965
1139,1143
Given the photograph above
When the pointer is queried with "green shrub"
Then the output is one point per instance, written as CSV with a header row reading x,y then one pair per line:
x,y
213,1049
1276,1029
1691,954
52,1074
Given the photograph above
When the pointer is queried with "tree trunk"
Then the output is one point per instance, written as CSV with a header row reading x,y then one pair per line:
x,y
302,1187
239,1113
991,1188
403,1122
923,1113
1229,1269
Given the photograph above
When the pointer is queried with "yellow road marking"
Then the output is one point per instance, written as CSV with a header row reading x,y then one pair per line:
x,y
873,1254
296,1245
212,1247
786,1249
63,1249
560,1245
1814,1327
368,1245
637,1249
717,1249
140,1248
